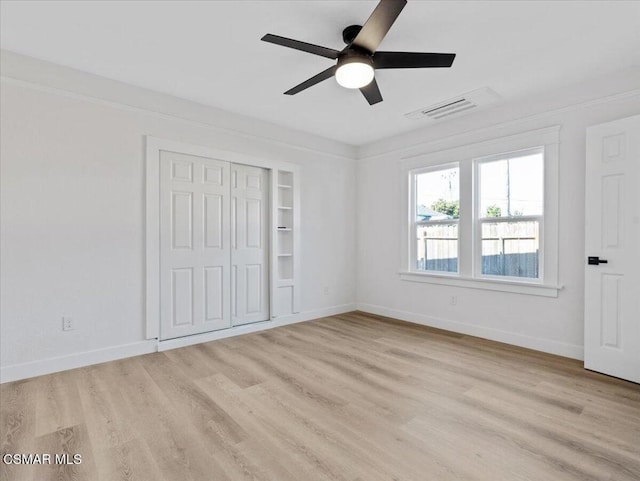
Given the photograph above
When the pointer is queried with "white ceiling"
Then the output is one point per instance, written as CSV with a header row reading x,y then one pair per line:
x,y
211,52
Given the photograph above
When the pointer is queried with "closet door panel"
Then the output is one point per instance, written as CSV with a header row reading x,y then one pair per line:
x,y
249,255
195,251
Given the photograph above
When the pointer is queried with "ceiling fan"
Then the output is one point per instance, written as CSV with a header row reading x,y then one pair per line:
x,y
356,62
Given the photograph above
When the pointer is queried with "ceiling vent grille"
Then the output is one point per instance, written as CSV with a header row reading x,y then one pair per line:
x,y
456,106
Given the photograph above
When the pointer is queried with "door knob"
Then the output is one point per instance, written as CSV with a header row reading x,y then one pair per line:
x,y
595,260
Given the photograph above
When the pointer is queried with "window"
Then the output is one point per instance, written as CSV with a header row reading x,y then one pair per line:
x,y
509,219
436,212
485,215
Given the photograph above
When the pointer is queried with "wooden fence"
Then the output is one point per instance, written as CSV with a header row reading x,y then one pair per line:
x,y
508,248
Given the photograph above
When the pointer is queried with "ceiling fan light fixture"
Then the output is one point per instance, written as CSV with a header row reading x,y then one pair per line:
x,y
354,72
358,61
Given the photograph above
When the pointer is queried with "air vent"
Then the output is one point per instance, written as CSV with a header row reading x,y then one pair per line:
x,y
456,106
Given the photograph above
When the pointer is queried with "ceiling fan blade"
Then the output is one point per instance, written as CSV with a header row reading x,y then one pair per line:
x,y
412,60
304,46
378,24
316,79
372,93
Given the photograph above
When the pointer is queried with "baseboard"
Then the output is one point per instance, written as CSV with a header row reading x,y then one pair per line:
x,y
545,345
257,327
26,370
72,361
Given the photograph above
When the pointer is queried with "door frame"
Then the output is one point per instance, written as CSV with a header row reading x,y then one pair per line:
x,y
153,147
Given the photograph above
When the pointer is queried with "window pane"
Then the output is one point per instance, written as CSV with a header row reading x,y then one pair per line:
x,y
512,187
510,249
437,247
437,195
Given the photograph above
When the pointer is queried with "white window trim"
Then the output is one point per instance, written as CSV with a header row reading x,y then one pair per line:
x,y
549,139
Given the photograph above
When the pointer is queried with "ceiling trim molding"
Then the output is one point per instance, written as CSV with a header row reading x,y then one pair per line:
x,y
428,146
59,80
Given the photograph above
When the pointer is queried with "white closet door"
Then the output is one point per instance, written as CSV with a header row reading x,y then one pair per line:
x,y
194,245
249,242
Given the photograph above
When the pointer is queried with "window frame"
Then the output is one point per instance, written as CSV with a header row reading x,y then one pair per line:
x,y
414,224
466,156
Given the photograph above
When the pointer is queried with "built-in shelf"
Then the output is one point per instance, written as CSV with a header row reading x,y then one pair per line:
x,y
286,249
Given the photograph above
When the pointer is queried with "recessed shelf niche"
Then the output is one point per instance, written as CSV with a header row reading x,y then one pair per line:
x,y
286,290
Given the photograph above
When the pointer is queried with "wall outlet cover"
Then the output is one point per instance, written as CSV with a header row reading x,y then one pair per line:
x,y
67,323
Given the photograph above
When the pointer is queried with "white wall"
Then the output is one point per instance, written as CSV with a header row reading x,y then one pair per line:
x,y
550,324
72,218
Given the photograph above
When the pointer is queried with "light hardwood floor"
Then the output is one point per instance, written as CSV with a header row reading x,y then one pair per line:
x,y
350,397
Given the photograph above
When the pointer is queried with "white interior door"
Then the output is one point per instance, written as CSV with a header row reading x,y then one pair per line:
x,y
195,253
249,243
612,289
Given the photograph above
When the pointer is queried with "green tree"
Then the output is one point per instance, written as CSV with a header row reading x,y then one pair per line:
x,y
449,207
494,211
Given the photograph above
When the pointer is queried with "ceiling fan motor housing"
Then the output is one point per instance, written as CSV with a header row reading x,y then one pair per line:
x,y
353,55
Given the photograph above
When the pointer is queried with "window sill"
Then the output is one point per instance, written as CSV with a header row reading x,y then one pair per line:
x,y
486,284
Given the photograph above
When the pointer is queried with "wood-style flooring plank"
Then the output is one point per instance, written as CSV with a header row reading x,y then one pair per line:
x,y
58,403
68,442
18,428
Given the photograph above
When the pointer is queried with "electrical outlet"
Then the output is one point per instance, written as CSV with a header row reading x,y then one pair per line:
x,y
326,290
454,300
67,324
